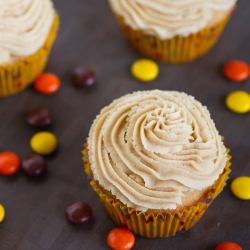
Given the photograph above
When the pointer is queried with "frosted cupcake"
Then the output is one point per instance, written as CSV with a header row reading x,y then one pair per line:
x,y
156,161
172,31
27,31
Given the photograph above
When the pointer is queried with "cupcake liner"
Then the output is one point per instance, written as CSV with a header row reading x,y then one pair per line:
x,y
177,49
16,76
151,225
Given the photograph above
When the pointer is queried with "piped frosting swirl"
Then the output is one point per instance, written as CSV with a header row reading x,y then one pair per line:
x,y
167,18
148,148
24,27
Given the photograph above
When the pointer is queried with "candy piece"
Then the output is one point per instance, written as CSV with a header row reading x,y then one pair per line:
x,y
9,163
83,77
120,238
240,187
238,101
33,165
47,83
39,118
2,213
228,246
43,143
78,212
144,70
236,70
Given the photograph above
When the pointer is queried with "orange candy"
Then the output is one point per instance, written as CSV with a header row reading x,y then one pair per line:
x,y
47,83
236,70
9,163
228,246
120,239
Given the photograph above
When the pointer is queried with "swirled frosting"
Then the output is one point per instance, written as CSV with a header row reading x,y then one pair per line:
x,y
24,27
149,148
167,18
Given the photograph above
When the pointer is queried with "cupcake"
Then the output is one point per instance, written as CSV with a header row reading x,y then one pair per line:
x,y
176,31
156,161
27,31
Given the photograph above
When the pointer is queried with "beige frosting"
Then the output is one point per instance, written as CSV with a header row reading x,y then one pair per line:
x,y
148,148
167,18
24,27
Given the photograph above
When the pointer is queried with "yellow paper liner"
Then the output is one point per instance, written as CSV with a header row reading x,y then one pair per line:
x,y
150,225
175,50
16,76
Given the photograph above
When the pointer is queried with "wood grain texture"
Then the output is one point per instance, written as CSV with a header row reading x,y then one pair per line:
x,y
89,36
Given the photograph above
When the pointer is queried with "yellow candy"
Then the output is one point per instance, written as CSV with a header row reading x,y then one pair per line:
x,y
2,213
145,70
240,187
238,101
43,143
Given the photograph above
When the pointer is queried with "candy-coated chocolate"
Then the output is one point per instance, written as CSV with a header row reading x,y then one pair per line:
x,y
33,165
83,77
39,118
236,70
238,101
240,187
9,163
47,83
78,212
145,70
121,238
43,143
2,213
228,246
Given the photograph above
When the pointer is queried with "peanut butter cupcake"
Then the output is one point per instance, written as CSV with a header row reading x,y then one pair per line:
x,y
27,31
156,161
172,31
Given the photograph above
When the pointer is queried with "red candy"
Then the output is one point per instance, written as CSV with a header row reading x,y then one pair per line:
x,y
228,246
120,239
9,163
47,83
236,70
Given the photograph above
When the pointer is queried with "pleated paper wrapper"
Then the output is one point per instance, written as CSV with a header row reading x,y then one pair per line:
x,y
16,76
151,225
175,50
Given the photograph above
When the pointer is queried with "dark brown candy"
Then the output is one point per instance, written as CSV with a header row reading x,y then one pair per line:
x,y
33,165
83,77
78,212
39,117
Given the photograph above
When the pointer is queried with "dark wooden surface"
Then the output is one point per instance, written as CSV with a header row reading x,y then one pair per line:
x,y
89,36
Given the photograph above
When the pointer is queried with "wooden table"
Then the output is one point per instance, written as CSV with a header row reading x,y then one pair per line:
x,y
89,36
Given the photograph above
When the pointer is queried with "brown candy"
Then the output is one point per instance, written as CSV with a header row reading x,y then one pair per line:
x,y
83,77
33,165
39,117
78,212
